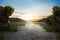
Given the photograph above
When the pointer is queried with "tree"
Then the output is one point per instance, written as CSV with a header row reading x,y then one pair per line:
x,y
55,18
56,11
5,12
8,11
1,12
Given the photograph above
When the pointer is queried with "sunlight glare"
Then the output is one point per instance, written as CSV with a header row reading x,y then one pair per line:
x,y
27,17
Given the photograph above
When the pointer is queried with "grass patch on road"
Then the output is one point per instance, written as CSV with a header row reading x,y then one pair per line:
x,y
49,28
14,26
17,23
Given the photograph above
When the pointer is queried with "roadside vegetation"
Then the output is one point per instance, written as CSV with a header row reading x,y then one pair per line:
x,y
5,12
49,28
54,19
14,26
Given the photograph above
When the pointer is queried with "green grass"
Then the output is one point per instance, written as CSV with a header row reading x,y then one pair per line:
x,y
1,37
18,23
49,28
14,26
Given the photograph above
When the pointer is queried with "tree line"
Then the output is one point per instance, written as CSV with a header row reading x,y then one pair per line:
x,y
5,12
54,19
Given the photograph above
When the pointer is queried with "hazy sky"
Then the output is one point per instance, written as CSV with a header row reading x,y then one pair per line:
x,y
32,7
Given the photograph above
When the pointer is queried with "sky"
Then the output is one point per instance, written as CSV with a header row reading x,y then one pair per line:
x,y
32,7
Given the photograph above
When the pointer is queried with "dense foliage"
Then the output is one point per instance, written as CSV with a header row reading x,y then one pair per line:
x,y
5,12
54,19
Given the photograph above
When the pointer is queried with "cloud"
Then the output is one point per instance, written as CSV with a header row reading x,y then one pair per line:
x,y
38,10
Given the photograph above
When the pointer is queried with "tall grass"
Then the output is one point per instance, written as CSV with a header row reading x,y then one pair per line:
x,y
49,28
14,26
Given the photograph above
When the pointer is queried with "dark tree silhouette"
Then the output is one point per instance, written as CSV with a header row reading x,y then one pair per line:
x,y
8,11
56,11
54,19
5,12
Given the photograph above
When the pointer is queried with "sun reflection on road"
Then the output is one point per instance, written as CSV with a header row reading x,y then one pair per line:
x,y
32,26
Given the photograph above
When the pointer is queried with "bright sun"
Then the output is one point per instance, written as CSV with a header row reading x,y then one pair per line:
x,y
27,17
